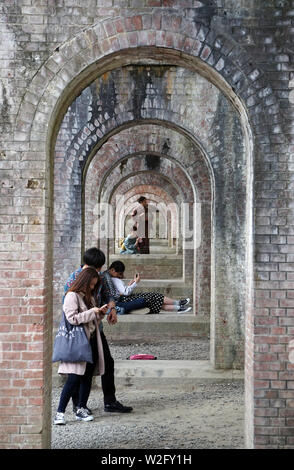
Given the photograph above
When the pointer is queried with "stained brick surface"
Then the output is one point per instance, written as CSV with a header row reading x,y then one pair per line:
x,y
49,53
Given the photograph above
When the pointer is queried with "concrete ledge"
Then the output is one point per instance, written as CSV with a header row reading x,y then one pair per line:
x,y
198,370
181,375
162,258
173,317
161,374
140,326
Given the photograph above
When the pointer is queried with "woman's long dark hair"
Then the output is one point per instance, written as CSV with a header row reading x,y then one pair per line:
x,y
82,284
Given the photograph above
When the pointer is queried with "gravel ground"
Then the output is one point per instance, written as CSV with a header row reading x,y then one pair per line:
x,y
181,349
209,417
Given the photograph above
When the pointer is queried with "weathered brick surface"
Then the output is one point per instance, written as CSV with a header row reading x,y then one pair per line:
x,y
165,94
49,53
153,139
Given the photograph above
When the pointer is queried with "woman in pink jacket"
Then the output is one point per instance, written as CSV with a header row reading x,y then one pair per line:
x,y
79,308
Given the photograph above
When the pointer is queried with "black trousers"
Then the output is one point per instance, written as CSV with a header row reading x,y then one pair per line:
x,y
107,379
79,385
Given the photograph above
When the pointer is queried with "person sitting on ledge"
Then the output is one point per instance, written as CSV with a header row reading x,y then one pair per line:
x,y
131,243
155,301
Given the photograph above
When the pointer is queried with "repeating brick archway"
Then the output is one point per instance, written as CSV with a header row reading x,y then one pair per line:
x,y
183,165
161,194
132,164
98,49
173,190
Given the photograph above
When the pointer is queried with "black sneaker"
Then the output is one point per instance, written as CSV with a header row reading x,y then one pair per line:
x,y
184,309
82,415
75,409
117,407
184,302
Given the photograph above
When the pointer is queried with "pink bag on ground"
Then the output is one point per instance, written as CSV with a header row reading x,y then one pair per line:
x,y
142,356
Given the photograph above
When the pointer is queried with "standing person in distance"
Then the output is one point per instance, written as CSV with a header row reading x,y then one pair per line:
x,y
143,226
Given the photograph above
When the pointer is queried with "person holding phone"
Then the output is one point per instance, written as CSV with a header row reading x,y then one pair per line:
x,y
118,288
95,258
80,309
155,301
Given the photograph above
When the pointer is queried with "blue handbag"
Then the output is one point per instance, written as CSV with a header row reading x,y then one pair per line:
x,y
71,343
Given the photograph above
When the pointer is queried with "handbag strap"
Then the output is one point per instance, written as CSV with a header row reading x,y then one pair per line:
x,y
69,325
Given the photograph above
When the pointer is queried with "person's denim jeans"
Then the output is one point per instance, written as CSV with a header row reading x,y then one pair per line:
x,y
130,305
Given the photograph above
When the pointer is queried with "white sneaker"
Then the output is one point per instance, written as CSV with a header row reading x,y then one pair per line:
x,y
59,418
83,415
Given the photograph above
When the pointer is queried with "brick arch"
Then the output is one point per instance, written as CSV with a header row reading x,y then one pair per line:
x,y
218,57
168,219
138,188
155,194
158,192
93,132
195,58
133,187
75,60
140,179
172,178
157,188
188,173
124,143
236,327
111,129
196,266
117,149
216,51
136,177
